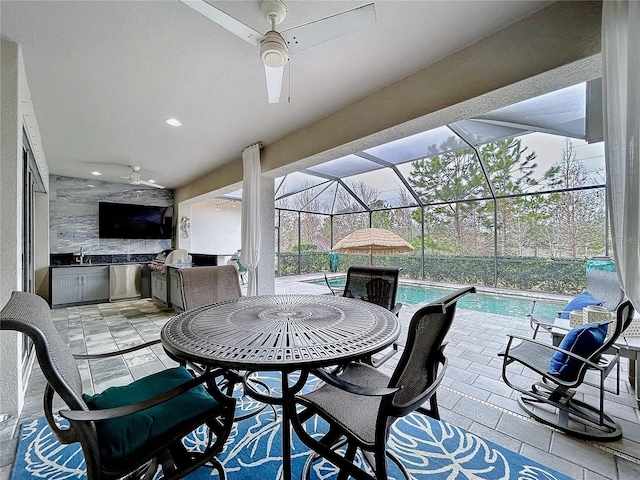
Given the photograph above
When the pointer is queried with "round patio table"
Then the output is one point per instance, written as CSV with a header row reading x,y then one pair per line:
x,y
283,333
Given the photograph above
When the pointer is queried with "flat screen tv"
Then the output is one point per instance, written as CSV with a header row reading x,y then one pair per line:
x,y
123,220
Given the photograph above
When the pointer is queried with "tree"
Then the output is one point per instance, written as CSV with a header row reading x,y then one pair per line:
x,y
576,226
510,170
443,181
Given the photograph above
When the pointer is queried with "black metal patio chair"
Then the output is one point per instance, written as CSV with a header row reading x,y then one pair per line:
x,y
362,403
128,430
553,400
377,285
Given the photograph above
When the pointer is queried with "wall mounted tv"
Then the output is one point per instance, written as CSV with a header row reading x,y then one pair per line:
x,y
123,220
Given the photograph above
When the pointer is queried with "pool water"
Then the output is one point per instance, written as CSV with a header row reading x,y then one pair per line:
x,y
510,305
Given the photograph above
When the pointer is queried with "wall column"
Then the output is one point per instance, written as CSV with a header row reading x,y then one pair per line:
x,y
11,393
266,268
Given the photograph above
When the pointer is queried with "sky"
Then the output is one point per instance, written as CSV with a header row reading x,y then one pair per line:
x,y
549,151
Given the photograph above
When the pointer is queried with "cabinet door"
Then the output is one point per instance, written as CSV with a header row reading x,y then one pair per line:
x,y
66,289
159,286
175,290
95,285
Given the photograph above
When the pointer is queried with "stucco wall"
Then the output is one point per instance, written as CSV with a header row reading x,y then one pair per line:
x,y
215,231
17,116
10,247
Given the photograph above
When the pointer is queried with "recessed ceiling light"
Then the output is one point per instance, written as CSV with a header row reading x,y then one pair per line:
x,y
174,122
90,185
96,173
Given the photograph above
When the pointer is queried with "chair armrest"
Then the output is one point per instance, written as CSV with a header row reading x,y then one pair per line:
x,y
326,280
428,393
351,387
396,308
550,347
109,413
379,361
82,356
542,319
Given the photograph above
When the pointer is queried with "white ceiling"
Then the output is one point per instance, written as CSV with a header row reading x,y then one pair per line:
x,y
104,75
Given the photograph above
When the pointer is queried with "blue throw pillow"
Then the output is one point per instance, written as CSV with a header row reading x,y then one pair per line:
x,y
583,340
578,303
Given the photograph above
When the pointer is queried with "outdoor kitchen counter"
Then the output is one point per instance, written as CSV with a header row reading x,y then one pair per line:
x,y
79,284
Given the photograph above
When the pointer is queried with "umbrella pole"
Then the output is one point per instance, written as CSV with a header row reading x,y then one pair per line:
x,y
371,256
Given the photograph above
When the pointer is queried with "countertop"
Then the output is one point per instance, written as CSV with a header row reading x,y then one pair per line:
x,y
75,265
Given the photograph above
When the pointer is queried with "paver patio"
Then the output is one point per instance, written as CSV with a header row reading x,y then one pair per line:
x,y
472,396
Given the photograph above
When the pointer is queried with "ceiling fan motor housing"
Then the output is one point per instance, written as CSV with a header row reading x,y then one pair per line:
x,y
273,50
273,10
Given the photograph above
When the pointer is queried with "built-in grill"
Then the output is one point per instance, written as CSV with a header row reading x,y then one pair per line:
x,y
158,263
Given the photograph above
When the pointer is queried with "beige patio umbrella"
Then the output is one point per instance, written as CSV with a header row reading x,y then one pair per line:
x,y
373,240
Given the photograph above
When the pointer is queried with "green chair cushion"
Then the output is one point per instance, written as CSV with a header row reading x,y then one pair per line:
x,y
120,437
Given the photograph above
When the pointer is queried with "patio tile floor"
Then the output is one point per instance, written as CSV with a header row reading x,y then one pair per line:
x,y
472,395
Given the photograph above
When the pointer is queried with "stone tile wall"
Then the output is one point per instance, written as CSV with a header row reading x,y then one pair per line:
x,y
73,216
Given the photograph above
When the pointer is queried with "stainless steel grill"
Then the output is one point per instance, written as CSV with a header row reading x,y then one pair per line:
x,y
158,263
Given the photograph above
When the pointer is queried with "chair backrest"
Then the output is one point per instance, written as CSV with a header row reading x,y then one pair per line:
x,y
417,368
623,317
605,287
378,291
207,285
239,266
377,285
29,314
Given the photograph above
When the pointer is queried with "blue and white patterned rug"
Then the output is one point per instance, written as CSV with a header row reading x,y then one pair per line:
x,y
429,450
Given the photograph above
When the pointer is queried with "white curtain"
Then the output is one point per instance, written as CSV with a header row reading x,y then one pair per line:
x,y
621,97
251,215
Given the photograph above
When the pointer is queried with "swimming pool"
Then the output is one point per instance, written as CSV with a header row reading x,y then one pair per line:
x,y
510,305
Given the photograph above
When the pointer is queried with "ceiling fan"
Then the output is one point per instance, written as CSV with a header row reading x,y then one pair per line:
x,y
275,47
134,178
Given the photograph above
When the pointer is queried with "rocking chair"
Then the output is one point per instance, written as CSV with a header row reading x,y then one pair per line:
x,y
563,369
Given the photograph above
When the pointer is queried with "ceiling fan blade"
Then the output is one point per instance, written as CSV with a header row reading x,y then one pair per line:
x,y
320,31
149,184
274,82
226,21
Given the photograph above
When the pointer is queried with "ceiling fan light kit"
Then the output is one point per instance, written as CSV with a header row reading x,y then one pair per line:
x,y
275,47
273,50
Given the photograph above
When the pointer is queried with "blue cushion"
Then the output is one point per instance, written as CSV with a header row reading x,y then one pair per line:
x,y
582,340
119,437
578,303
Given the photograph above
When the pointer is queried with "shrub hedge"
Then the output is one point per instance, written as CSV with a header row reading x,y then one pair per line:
x,y
562,276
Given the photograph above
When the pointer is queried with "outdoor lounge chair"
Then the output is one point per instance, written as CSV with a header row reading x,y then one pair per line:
x,y
377,285
603,289
585,350
240,268
130,429
362,403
